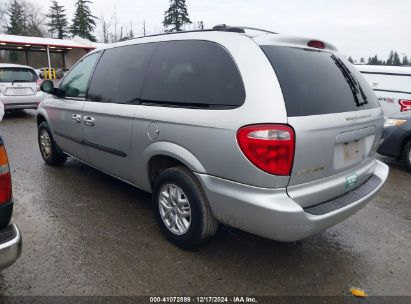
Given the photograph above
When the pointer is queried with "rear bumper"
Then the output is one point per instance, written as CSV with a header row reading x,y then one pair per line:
x,y
271,213
10,245
22,102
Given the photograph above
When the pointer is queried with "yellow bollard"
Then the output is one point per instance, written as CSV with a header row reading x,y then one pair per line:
x,y
50,73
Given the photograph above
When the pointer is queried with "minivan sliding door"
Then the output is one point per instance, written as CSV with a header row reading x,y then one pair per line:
x,y
112,100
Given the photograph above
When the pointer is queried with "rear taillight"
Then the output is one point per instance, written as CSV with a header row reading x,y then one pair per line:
x,y
268,147
39,82
5,177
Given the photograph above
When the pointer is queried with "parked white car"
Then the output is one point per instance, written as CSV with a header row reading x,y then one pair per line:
x,y
19,87
391,84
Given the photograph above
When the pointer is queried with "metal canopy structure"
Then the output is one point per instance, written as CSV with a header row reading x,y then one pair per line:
x,y
70,50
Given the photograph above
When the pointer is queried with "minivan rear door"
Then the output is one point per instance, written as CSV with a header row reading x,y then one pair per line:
x,y
336,118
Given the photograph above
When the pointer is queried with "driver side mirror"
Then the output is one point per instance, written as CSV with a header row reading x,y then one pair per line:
x,y
47,86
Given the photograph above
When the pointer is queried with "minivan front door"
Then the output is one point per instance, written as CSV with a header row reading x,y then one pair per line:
x,y
112,101
107,131
66,108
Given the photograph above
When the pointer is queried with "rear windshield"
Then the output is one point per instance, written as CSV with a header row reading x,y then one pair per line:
x,y
17,74
316,82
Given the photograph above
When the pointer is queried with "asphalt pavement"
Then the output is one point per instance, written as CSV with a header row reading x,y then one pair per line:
x,y
86,233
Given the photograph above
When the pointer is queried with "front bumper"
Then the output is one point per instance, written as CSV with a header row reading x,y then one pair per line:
x,y
271,213
10,245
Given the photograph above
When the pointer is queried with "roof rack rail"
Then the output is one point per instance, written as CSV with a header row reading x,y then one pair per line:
x,y
220,27
239,29
257,29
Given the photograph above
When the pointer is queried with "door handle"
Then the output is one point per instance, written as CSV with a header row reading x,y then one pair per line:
x,y
89,121
76,118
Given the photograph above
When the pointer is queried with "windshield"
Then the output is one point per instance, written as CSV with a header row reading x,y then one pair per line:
x,y
319,82
17,75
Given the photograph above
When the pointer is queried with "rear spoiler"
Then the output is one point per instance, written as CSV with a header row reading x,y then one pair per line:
x,y
294,41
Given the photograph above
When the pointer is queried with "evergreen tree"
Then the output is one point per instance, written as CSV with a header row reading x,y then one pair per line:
x,y
17,24
405,60
396,59
374,60
58,20
176,16
351,60
390,60
83,22
362,60
131,33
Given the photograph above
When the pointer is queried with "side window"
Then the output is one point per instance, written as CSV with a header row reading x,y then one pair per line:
x,y
119,74
75,83
193,73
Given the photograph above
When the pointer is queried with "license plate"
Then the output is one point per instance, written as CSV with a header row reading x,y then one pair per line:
x,y
18,91
352,151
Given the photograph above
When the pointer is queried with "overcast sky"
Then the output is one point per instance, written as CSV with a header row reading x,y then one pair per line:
x,y
357,27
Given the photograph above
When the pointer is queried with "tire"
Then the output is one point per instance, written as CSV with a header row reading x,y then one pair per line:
x,y
49,150
407,155
202,224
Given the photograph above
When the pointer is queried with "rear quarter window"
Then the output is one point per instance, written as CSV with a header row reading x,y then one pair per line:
x,y
312,83
193,73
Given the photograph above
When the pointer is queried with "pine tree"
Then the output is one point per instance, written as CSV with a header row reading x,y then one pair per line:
x,y
58,20
390,60
362,60
351,60
405,60
176,16
396,59
17,20
374,60
131,33
83,22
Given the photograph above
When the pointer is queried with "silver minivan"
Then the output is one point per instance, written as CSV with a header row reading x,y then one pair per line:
x,y
271,134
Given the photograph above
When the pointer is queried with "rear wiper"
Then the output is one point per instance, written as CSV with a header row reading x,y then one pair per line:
x,y
14,81
352,82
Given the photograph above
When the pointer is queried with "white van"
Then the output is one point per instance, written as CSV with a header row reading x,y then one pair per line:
x,y
391,84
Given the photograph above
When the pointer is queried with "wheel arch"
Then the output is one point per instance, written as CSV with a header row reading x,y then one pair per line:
x,y
42,117
162,155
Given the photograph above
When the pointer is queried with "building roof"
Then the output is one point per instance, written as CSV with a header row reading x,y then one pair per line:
x,y
27,41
